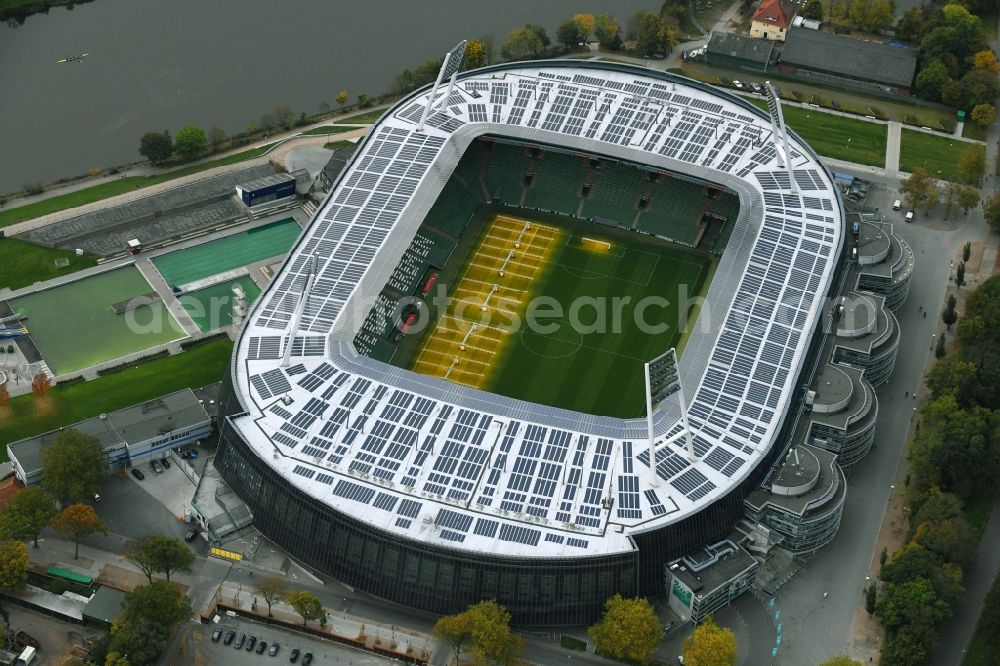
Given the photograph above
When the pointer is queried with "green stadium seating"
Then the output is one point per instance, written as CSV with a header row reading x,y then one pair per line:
x,y
614,193
505,173
452,210
674,211
557,183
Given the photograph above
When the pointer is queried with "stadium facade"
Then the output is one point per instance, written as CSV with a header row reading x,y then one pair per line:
x,y
435,495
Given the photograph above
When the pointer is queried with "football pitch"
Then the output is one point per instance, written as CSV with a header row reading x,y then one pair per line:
x,y
563,316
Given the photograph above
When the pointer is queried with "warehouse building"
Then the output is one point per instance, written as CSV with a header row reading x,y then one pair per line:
x,y
726,49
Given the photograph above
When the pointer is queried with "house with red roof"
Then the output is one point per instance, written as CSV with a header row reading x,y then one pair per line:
x,y
772,20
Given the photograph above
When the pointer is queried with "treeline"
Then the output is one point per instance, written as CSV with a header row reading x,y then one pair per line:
x,y
955,459
14,12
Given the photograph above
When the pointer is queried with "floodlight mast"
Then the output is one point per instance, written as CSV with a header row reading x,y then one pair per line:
x,y
662,372
449,67
780,130
653,480
293,327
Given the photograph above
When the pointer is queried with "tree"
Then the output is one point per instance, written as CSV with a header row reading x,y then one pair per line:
x,y
570,34
73,466
362,100
4,396
191,142
989,619
813,10
840,660
984,114
991,211
931,78
27,514
971,164
651,33
952,190
980,87
629,630
455,631
41,385
953,540
521,43
251,128
158,553
967,251
157,147
149,615
871,594
539,31
878,14
960,274
269,122
911,25
306,604
985,60
492,640
76,522
917,188
608,32
216,137
14,564
911,602
950,316
272,589
342,99
475,54
939,348
968,199
710,645
115,659
586,23
284,116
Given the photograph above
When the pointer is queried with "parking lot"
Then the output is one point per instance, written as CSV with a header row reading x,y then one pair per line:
x,y
195,646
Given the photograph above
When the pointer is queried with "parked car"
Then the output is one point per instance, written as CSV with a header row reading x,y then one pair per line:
x,y
166,463
155,465
216,635
755,86
137,473
274,649
738,85
307,659
261,647
909,216
295,656
897,204
250,643
230,635
239,643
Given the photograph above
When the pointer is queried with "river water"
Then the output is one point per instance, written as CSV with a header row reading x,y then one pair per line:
x,y
158,65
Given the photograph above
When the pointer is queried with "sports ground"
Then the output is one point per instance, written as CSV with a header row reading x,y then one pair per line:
x,y
546,312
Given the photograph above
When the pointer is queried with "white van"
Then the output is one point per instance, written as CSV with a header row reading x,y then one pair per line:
x,y
909,216
27,656
897,204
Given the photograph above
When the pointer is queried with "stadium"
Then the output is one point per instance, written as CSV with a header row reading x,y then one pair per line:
x,y
468,460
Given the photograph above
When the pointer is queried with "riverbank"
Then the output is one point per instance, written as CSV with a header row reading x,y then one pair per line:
x,y
19,10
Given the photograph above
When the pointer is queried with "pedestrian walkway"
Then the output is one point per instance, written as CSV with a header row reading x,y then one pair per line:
x,y
892,148
173,306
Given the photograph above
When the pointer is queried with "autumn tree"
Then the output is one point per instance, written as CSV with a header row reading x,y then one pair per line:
x,y
73,466
522,43
918,188
475,54
984,114
991,211
76,522
41,385
968,199
813,9
306,604
971,164
115,659
629,630
157,147
455,631
273,590
158,553
149,615
4,396
651,33
191,142
985,60
342,99
28,513
14,564
710,645
608,32
586,23
492,642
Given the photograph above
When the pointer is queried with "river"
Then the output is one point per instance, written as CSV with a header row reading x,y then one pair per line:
x,y
156,65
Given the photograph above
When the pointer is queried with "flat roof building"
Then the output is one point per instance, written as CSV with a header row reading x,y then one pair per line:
x,y
149,429
727,49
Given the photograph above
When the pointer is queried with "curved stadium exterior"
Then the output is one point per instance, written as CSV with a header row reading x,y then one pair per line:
x,y
405,486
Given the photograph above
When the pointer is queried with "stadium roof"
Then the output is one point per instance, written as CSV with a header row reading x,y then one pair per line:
x,y
846,56
423,458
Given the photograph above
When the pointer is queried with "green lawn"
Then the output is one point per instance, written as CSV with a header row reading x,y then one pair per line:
x,y
116,187
334,145
839,137
22,264
363,118
937,154
194,368
973,131
978,653
330,129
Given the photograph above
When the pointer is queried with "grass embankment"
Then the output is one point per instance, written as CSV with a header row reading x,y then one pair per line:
x,y
828,134
937,154
334,145
116,187
363,118
330,129
22,264
27,416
